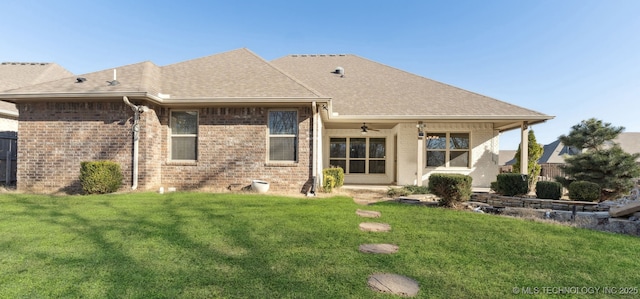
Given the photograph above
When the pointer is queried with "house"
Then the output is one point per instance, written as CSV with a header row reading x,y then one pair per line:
x,y
224,120
554,154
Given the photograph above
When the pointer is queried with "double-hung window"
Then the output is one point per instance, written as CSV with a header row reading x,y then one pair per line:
x,y
358,155
184,135
283,135
448,150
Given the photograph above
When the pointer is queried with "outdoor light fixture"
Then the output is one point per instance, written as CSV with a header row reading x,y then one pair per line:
x,y
420,127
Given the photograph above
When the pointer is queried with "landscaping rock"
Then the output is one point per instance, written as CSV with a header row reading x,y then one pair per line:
x,y
375,227
393,284
378,248
626,209
368,214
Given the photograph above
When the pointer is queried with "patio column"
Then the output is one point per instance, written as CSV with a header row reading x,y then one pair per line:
x,y
419,159
524,148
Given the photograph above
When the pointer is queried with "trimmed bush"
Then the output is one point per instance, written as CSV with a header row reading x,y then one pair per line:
x,y
329,183
451,188
548,190
332,177
584,191
407,190
512,184
100,177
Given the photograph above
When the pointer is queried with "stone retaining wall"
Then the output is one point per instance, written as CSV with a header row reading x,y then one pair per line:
x,y
536,203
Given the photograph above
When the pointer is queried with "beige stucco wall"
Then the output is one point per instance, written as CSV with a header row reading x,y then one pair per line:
x,y
401,158
484,154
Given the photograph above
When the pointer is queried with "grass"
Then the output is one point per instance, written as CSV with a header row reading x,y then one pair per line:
x,y
197,245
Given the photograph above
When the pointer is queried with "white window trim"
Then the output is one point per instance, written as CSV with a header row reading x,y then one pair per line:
x,y
171,135
296,136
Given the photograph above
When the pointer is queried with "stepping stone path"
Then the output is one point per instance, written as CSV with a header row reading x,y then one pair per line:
x,y
375,227
385,282
368,214
393,284
378,248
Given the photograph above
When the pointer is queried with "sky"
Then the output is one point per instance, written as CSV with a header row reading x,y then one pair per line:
x,y
572,59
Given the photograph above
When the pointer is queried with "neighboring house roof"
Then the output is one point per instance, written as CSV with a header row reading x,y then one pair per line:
x,y
506,156
629,142
370,89
19,74
556,151
233,76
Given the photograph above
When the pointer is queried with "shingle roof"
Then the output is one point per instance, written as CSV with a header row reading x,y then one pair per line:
x,y
238,73
371,88
18,74
133,77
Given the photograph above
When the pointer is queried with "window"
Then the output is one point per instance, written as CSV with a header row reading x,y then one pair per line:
x,y
448,150
283,135
364,155
184,135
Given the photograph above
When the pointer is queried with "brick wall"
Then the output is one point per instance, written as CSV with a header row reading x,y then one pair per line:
x,y
56,137
232,147
232,151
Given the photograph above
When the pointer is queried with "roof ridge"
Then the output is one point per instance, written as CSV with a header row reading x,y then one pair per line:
x,y
24,63
285,74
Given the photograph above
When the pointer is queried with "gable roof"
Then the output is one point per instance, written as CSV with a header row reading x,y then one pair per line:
x,y
233,74
19,74
375,90
237,75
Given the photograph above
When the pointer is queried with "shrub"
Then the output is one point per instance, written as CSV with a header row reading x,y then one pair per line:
x,y
451,188
548,190
494,186
511,184
333,177
584,191
100,177
407,190
329,183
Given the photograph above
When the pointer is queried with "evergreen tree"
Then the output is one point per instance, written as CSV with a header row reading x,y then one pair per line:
x,y
535,152
601,161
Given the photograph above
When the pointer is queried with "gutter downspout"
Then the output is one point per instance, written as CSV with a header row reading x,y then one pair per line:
x,y
137,110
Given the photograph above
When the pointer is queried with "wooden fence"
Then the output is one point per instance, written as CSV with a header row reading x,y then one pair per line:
x,y
8,157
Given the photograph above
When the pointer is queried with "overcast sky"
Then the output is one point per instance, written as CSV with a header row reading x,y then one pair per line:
x,y
573,59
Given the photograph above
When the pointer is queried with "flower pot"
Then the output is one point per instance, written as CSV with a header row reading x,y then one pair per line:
x,y
259,186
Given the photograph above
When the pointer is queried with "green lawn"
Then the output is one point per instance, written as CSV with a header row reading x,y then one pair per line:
x,y
197,245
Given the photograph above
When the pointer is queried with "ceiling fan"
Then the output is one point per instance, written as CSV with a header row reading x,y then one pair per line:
x,y
366,129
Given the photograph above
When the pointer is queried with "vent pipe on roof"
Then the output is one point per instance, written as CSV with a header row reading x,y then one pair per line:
x,y
340,71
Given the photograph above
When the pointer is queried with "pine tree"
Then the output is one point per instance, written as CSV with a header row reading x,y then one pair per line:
x,y
601,161
535,152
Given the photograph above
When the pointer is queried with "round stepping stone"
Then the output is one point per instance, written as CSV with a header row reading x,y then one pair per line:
x,y
393,284
375,227
378,248
368,214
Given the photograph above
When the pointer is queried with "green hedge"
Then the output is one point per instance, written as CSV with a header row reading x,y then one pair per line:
x,y
584,191
512,184
100,177
332,177
451,188
548,190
